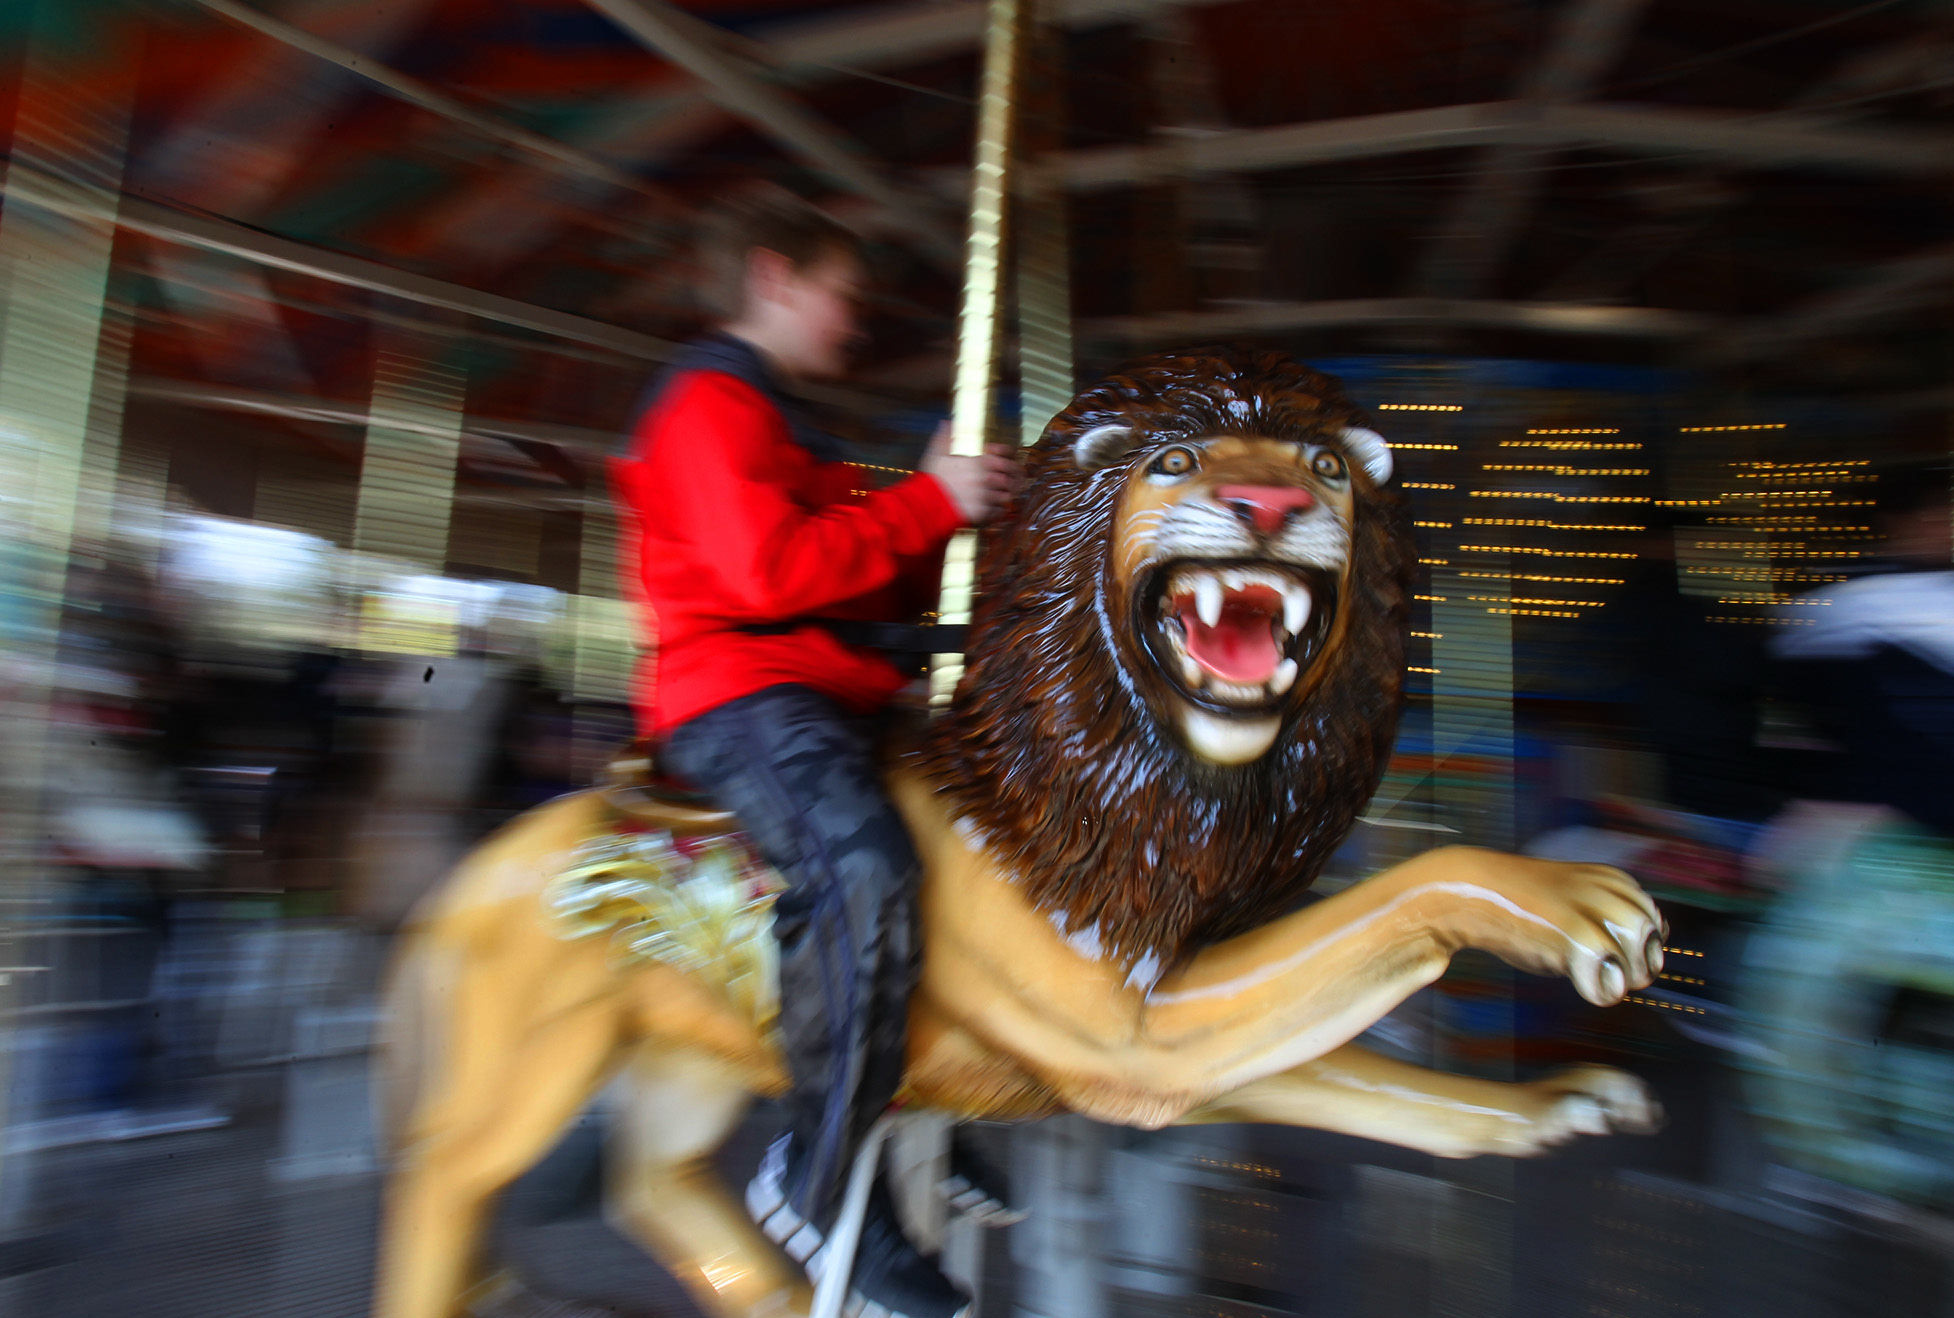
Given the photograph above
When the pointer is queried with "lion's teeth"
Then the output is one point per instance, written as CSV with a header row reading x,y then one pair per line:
x,y
1284,677
1192,673
1295,607
1207,600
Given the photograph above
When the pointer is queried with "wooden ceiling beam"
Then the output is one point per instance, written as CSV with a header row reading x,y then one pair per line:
x,y
698,48
1479,227
1894,287
1282,317
1732,137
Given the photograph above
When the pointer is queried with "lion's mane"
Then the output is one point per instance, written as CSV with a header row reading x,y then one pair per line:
x,y
1051,748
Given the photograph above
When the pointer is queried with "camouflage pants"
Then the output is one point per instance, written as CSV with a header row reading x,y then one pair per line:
x,y
800,773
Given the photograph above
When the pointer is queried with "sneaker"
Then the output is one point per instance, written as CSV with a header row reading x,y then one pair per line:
x,y
976,1187
891,1278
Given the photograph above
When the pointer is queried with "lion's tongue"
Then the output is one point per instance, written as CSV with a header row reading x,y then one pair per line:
x,y
1240,647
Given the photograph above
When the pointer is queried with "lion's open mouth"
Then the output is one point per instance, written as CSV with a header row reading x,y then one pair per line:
x,y
1235,636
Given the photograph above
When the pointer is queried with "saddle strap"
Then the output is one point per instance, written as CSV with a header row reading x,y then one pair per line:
x,y
903,638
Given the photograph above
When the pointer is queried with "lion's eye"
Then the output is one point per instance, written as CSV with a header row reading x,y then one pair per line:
x,y
1328,465
1174,462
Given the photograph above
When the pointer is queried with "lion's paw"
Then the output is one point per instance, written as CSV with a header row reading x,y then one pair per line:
x,y
1582,1100
1592,923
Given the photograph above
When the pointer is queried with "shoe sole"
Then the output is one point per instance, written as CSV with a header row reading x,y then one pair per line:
x,y
766,1204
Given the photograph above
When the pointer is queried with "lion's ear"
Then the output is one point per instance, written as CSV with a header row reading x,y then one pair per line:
x,y
1369,448
1102,445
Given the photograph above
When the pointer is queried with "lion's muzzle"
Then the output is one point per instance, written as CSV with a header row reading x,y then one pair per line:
x,y
1265,509
1234,636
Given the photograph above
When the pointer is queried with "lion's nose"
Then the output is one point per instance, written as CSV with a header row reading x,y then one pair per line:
x,y
1265,507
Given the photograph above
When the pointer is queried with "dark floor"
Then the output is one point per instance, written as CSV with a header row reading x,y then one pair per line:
x,y
1689,1223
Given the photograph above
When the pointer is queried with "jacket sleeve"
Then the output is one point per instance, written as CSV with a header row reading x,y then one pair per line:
x,y
719,446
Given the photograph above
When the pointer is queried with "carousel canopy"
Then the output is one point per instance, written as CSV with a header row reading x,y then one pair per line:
x,y
1756,190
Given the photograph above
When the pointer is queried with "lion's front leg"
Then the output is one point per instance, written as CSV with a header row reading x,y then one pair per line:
x,y
1357,1092
1268,1001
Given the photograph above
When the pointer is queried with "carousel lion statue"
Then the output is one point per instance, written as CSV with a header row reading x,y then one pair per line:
x,y
1182,685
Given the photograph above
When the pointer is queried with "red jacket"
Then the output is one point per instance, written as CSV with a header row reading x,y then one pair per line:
x,y
729,522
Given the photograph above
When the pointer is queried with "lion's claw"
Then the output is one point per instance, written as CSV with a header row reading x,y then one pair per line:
x,y
1615,931
1592,923
1625,1102
1520,1120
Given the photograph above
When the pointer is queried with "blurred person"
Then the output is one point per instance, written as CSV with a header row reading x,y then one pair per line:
x,y
255,727
768,579
449,755
123,842
1874,656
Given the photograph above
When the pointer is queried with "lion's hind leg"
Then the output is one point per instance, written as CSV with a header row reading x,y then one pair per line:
x,y
1357,1092
680,1105
495,1114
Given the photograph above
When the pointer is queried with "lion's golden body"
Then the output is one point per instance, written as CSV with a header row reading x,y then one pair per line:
x,y
1246,604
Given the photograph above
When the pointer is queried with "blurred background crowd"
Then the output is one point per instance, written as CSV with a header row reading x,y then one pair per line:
x,y
319,320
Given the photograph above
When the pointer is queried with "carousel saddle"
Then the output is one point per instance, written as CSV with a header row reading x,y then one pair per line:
x,y
669,877
636,789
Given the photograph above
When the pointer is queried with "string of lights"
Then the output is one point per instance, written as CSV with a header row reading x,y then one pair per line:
x,y
1523,599
1762,465
1536,576
1546,553
1551,526
1588,445
1558,470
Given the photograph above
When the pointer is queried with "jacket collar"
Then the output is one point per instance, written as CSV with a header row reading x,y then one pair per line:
x,y
731,355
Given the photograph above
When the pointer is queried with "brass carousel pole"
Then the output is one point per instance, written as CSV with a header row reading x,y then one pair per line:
x,y
1015,38
1044,260
973,402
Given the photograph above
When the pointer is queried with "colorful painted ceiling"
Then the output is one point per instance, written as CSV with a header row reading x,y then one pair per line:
x,y
1755,188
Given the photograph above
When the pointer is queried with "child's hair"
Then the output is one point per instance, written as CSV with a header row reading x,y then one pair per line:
x,y
767,217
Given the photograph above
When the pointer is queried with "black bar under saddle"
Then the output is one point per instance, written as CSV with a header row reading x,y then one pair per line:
x,y
633,785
